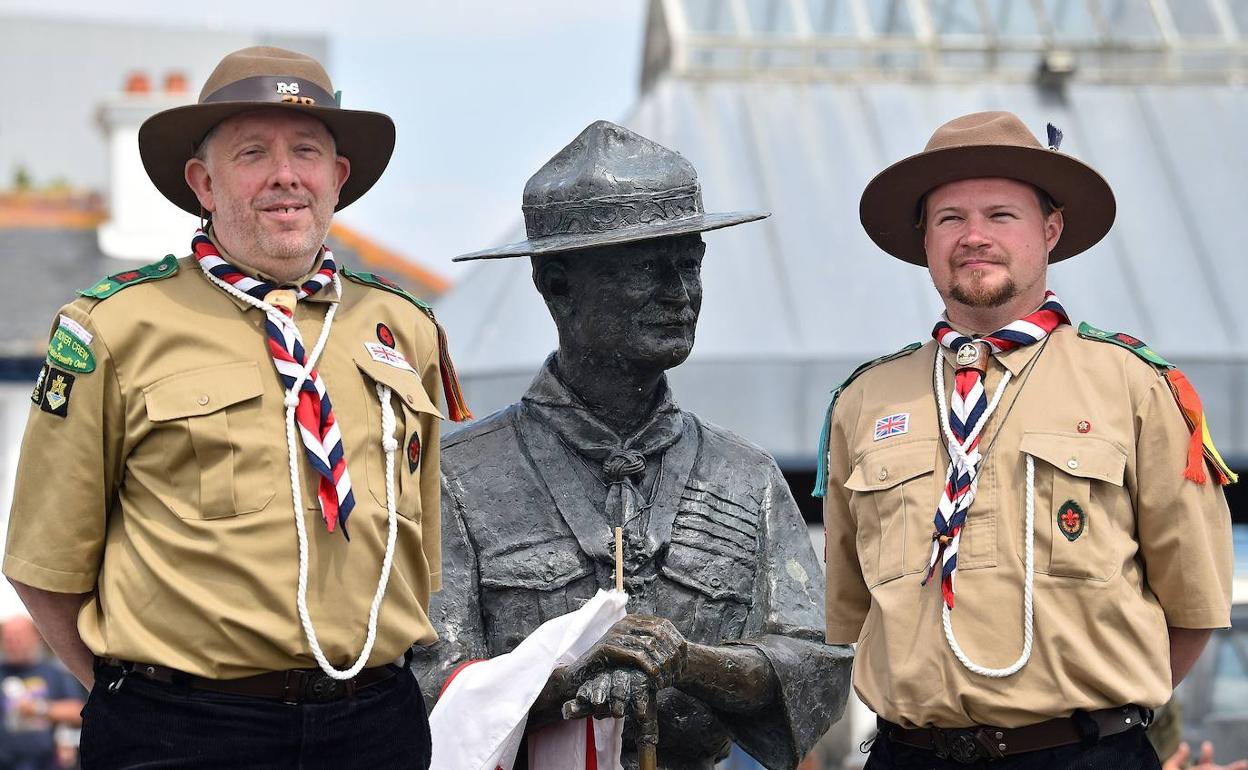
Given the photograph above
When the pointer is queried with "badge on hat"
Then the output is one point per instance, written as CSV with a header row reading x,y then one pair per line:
x,y
1071,520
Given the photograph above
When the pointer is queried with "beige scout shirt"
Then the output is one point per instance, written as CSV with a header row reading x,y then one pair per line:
x,y
1155,549
165,487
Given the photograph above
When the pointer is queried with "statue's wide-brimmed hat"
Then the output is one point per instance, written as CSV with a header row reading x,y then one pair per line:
x,y
611,186
256,78
985,144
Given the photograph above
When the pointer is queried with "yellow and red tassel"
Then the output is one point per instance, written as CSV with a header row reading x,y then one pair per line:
x,y
456,407
1200,448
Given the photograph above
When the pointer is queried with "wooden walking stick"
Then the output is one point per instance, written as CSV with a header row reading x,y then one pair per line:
x,y
648,734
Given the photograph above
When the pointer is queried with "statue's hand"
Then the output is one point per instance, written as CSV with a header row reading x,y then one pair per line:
x,y
616,693
649,645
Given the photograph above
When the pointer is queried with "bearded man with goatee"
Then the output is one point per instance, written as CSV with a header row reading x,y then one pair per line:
x,y
992,498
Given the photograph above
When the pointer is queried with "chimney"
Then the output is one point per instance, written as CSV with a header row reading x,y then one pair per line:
x,y
142,225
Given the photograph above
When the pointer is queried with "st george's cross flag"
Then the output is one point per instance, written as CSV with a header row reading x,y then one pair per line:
x,y
479,719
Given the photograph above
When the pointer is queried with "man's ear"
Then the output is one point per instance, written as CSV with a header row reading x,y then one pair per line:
x,y
550,276
200,181
1053,226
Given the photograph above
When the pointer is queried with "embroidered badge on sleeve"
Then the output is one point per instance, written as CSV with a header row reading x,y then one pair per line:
x,y
56,393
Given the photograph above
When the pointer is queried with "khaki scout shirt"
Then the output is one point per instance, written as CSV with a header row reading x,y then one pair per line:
x,y
1155,550
165,488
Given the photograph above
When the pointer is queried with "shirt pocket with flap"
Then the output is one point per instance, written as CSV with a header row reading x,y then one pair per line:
x,y
527,586
892,493
1083,511
413,414
209,437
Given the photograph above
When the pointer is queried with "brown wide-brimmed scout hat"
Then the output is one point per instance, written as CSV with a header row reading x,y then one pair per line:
x,y
985,144
264,77
609,186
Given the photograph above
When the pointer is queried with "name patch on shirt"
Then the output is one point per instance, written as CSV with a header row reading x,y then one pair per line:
x,y
70,347
388,356
892,425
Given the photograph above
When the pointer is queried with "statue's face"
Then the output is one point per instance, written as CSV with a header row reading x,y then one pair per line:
x,y
638,302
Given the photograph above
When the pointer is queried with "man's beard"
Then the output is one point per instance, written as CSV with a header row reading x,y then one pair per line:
x,y
975,294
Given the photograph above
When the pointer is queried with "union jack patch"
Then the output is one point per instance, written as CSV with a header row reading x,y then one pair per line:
x,y
892,425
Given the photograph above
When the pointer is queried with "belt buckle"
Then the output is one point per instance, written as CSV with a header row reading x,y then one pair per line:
x,y
960,746
320,688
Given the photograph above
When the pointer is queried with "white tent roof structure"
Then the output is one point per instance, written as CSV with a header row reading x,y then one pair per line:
x,y
792,106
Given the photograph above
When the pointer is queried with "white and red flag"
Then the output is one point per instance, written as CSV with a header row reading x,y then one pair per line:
x,y
479,719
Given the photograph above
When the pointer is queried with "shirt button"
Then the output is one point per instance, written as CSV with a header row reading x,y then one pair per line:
x,y
716,582
411,400
202,400
1072,463
883,473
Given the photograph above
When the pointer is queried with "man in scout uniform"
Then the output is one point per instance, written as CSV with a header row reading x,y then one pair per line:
x,y
226,513
1026,531
712,540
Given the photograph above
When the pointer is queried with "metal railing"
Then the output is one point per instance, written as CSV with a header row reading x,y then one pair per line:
x,y
1097,40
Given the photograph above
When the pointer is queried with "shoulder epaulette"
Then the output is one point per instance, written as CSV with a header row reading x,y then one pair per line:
x,y
456,406
1124,340
109,286
1200,450
821,461
384,283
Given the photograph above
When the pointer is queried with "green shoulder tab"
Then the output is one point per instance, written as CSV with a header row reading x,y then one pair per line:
x,y
381,282
109,286
821,461
1123,340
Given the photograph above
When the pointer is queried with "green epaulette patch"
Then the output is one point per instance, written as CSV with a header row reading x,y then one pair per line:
x,y
381,282
821,461
109,286
1123,340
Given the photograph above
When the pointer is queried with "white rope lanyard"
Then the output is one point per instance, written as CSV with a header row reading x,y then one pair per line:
x,y
388,443
1030,538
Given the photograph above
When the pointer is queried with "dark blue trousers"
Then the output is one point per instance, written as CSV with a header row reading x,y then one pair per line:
x,y
150,725
1126,751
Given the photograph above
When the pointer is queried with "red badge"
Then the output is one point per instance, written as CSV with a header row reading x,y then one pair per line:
x,y
413,452
1084,426
1071,520
127,276
385,335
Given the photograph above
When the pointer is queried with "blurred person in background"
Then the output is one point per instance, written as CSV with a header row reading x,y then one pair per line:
x,y
40,699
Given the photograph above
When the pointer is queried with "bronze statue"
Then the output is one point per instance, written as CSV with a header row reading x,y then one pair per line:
x,y
725,631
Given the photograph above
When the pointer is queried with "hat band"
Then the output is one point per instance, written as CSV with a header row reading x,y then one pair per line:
x,y
273,89
600,216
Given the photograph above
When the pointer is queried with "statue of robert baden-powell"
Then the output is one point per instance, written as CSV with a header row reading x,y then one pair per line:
x,y
713,541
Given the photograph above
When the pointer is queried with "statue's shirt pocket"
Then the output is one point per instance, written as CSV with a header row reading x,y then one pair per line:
x,y
529,585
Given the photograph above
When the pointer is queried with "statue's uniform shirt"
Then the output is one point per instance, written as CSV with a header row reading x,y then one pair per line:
x,y
723,553
165,487
1154,550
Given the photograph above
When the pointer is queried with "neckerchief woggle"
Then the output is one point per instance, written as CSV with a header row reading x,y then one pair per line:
x,y
314,413
967,407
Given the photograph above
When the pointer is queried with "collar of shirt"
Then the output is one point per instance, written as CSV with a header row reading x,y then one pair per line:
x,y
324,295
554,403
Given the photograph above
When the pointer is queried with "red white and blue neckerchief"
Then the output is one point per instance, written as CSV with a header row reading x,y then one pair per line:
x,y
322,441
967,406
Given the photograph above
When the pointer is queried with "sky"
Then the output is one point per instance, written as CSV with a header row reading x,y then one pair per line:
x,y
482,93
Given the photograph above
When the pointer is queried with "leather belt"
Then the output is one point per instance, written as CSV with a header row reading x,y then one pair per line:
x,y
973,744
295,686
